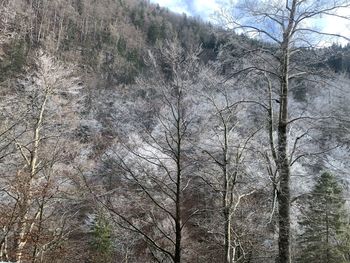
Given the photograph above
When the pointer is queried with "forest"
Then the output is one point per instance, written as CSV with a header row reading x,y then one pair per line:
x,y
130,133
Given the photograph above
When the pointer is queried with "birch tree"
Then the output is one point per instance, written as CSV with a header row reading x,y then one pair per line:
x,y
38,151
228,150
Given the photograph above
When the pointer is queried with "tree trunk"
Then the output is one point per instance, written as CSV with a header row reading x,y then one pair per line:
x,y
177,254
327,238
283,166
24,229
228,245
178,227
226,200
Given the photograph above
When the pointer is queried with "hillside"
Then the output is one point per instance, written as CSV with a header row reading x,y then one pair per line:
x,y
133,134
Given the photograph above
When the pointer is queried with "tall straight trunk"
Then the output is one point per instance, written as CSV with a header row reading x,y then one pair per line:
x,y
178,230
226,202
328,260
228,243
178,227
284,201
283,165
60,30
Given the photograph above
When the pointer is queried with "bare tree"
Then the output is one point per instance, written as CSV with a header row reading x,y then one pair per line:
x,y
230,154
156,162
38,151
286,25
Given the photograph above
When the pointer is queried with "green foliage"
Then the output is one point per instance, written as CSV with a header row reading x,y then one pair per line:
x,y
69,42
155,32
105,37
90,57
135,59
208,40
134,62
325,224
300,92
126,71
127,74
121,46
101,243
79,5
137,17
339,63
14,60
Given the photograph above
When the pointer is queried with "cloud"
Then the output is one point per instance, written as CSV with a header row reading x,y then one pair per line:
x,y
338,25
330,24
177,6
203,9
207,8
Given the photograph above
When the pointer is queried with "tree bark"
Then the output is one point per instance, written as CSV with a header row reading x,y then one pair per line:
x,y
283,165
24,229
178,227
284,169
226,199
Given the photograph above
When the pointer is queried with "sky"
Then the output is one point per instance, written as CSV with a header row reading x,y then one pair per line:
x,y
206,9
202,8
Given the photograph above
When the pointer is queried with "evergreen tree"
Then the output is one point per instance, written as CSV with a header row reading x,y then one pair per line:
x,y
325,224
102,244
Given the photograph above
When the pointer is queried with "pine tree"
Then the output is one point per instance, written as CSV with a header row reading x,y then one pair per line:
x,y
325,237
102,244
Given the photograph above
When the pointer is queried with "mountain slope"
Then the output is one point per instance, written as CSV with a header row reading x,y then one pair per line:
x,y
127,135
